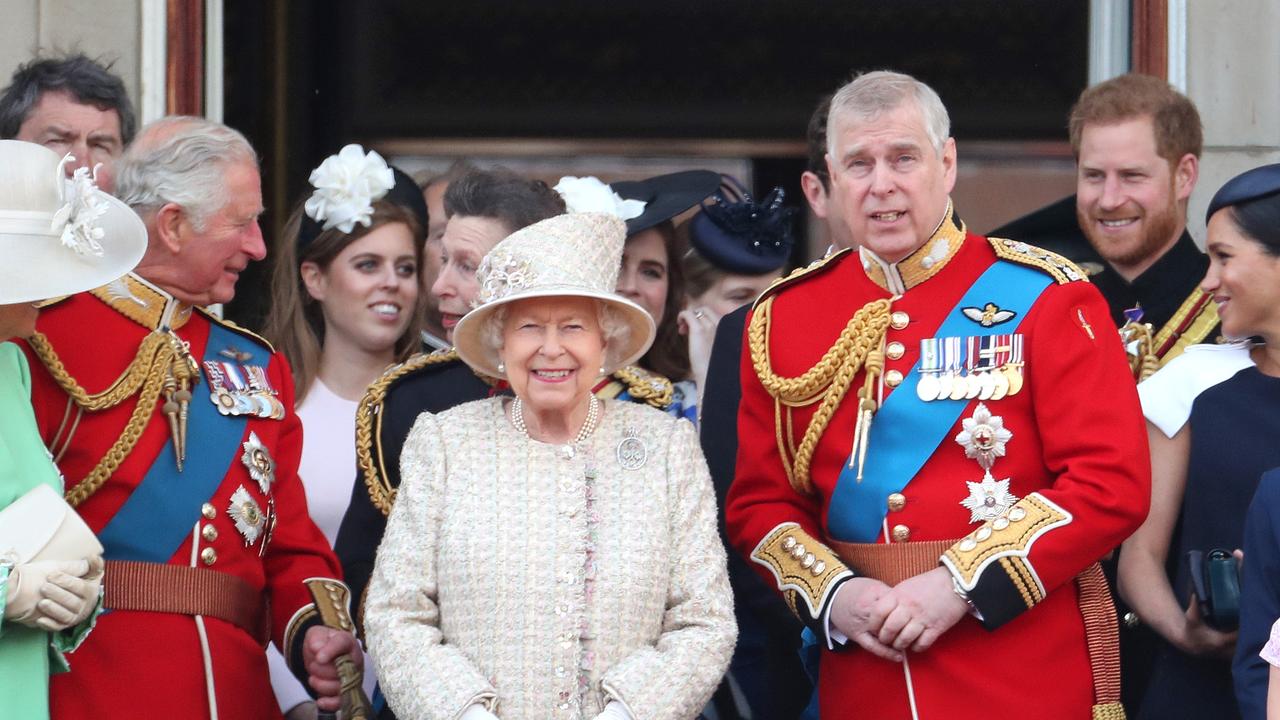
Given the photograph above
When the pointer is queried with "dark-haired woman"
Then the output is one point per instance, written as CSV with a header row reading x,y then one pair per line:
x,y
1213,419
346,305
653,277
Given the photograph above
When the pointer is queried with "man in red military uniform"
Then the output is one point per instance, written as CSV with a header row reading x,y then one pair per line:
x,y
939,438
178,440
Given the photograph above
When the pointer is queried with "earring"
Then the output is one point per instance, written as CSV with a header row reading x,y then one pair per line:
x,y
502,367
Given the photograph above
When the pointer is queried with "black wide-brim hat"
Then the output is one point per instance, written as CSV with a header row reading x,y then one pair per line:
x,y
1249,185
666,196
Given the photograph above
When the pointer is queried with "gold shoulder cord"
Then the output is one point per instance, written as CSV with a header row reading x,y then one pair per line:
x,y
652,388
146,376
369,426
859,345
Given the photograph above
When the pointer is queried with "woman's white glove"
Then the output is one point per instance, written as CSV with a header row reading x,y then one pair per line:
x,y
614,710
477,712
53,595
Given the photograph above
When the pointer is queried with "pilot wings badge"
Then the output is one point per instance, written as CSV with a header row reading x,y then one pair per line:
x,y
990,314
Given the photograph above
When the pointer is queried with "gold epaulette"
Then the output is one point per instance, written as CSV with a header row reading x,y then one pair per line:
x,y
652,388
1061,269
238,329
799,274
369,425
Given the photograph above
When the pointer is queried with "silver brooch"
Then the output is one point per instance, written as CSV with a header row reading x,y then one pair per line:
x,y
632,452
261,467
247,515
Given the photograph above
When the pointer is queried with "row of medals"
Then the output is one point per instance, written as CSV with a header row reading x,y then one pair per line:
x,y
957,383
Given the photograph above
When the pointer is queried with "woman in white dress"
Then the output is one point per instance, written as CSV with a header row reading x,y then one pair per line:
x,y
346,304
551,555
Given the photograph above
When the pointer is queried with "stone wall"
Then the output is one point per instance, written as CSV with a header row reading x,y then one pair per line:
x,y
105,29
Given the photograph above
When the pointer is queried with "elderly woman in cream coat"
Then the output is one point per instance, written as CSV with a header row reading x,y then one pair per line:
x,y
551,555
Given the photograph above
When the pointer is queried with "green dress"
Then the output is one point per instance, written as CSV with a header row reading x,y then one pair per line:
x,y
27,655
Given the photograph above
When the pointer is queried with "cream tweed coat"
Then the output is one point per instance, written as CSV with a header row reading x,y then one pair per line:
x,y
509,578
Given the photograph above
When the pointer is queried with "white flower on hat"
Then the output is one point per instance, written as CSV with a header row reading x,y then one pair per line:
x,y
589,194
346,186
76,221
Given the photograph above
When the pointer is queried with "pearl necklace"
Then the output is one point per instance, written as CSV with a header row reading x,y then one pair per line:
x,y
588,427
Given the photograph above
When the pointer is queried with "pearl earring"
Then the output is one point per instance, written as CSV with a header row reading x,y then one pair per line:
x,y
502,367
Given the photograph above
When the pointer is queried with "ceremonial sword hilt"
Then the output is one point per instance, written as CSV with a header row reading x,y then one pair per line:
x,y
332,598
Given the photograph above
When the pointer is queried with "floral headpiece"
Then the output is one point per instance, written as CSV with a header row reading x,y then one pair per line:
x,y
346,186
739,235
589,194
76,221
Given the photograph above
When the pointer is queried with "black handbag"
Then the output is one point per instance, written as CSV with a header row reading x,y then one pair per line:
x,y
1215,582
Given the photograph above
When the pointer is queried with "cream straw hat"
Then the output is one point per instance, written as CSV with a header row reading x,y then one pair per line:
x,y
57,235
574,255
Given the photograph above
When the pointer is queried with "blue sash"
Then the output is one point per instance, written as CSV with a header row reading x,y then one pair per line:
x,y
906,430
160,513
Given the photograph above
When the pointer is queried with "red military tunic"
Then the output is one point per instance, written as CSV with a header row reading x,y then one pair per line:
x,y
164,664
1077,460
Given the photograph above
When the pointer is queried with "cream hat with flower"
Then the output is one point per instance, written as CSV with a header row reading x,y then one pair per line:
x,y
57,235
572,255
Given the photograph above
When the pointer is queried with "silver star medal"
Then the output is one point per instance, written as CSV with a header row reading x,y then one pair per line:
x,y
983,439
261,467
988,499
248,517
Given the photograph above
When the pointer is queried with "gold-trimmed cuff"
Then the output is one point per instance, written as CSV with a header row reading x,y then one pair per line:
x,y
300,620
801,565
1007,540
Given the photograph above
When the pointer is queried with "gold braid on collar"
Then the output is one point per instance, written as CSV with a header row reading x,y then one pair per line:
x,y
859,345
369,426
160,357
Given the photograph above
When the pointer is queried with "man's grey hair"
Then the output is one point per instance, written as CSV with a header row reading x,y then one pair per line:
x,y
870,95
88,81
181,160
614,330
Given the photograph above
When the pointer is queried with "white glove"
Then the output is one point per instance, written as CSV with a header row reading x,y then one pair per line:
x,y
477,711
53,595
614,710
69,597
25,583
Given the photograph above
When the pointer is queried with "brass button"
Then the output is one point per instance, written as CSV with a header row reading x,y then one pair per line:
x,y
901,533
893,378
894,350
208,512
898,320
209,556
897,501
209,532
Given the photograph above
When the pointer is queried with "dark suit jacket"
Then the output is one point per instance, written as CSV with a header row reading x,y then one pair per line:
x,y
1259,596
433,388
